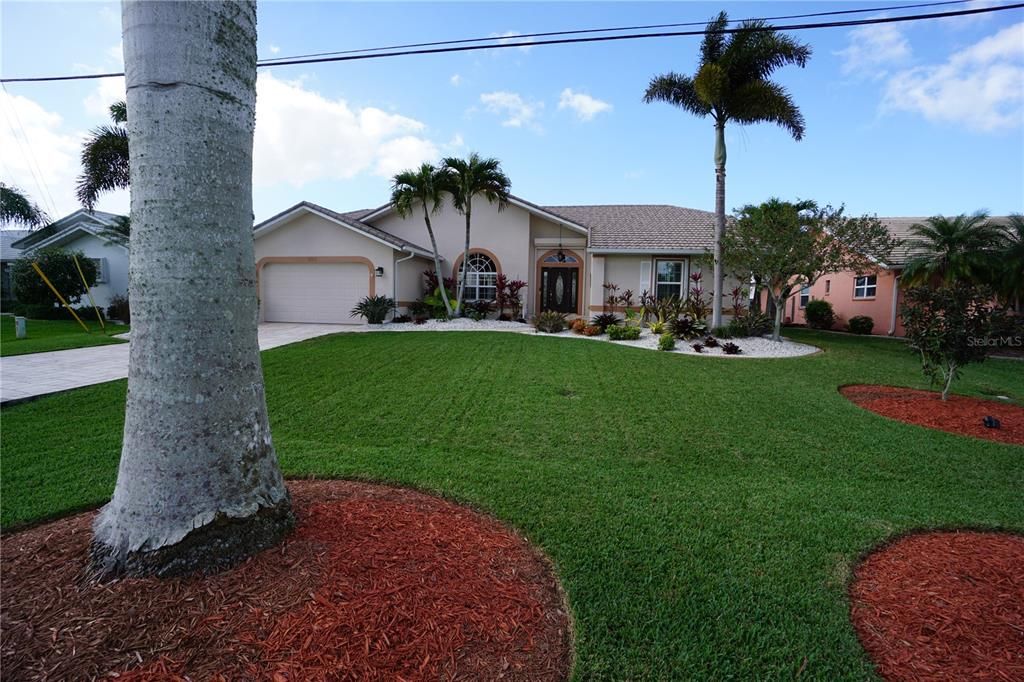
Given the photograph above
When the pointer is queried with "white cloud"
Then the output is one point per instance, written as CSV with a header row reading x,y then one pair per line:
x,y
456,142
455,80
274,49
585,106
108,91
512,37
872,50
302,136
39,156
516,111
981,87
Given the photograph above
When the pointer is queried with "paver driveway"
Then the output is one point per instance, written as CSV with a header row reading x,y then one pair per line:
x,y
28,376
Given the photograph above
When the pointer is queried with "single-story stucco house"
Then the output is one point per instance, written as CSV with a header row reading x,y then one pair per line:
x,y
83,231
877,294
314,264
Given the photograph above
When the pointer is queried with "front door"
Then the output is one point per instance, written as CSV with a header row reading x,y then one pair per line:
x,y
559,289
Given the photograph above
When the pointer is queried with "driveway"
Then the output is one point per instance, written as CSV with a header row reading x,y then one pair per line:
x,y
36,374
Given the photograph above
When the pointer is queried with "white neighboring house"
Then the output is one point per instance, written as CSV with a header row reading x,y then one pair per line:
x,y
82,231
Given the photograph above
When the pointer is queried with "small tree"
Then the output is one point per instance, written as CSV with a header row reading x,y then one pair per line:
x,y
59,268
790,245
949,327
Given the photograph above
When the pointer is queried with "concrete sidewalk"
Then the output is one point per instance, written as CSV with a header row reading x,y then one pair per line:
x,y
36,374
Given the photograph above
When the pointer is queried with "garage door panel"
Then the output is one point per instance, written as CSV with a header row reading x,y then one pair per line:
x,y
312,292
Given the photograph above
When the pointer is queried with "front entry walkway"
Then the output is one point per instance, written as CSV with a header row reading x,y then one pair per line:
x,y
36,374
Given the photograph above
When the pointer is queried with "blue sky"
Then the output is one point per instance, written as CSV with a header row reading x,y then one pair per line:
x,y
908,119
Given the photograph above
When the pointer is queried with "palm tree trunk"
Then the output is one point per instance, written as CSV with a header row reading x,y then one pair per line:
x,y
780,310
716,292
198,487
437,262
465,259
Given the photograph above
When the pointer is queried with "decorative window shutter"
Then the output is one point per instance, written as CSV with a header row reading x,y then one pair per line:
x,y
645,276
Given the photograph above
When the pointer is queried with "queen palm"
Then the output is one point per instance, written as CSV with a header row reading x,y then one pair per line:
x,y
1011,281
105,158
470,177
731,84
957,249
424,187
17,209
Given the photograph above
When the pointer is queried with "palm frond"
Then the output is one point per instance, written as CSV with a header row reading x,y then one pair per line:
x,y
424,187
764,101
17,208
678,90
756,54
119,112
104,164
713,45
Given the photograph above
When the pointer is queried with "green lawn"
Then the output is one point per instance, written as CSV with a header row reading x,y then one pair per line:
x,y
703,513
47,335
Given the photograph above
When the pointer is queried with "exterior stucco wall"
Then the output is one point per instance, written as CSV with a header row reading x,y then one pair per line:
x,y
410,278
311,235
116,261
838,287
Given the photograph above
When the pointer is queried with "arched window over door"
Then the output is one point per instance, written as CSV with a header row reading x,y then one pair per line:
x,y
481,276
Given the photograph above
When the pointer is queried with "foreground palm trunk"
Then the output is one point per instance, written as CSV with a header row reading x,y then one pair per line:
x,y
198,486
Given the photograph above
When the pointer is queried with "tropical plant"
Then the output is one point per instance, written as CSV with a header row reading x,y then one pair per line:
x,y
695,305
819,314
479,310
666,342
418,308
17,209
658,327
592,330
697,347
732,84
949,327
468,178
686,327
750,323
604,320
374,308
963,248
711,341
730,348
507,296
549,321
198,487
790,245
59,267
423,188
860,324
105,163
120,232
618,332
578,325
120,309
401,319
1009,282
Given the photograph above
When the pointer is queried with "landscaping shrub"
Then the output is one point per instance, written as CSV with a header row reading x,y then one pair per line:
x,y
374,308
578,325
401,319
722,332
119,309
687,327
618,332
420,319
860,324
711,342
658,327
819,314
419,309
697,347
605,320
549,321
750,324
731,348
59,268
666,342
46,311
478,310
592,330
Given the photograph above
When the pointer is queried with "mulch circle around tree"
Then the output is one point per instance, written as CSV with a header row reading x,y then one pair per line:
x,y
959,414
943,606
375,583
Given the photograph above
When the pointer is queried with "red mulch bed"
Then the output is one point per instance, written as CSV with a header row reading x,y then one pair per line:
x,y
376,583
959,414
943,606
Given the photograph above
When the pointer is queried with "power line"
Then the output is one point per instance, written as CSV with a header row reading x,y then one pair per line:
x,y
272,60
568,41
33,165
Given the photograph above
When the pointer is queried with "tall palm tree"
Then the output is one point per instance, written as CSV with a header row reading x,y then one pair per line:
x,y
105,158
957,249
17,209
731,84
470,177
1011,279
198,486
424,187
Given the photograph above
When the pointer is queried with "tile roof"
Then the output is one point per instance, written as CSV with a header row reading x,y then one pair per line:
x,y
7,238
899,227
643,227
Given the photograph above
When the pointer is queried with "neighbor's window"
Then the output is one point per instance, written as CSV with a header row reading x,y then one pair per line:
x,y
101,270
669,279
805,296
481,275
865,286
828,286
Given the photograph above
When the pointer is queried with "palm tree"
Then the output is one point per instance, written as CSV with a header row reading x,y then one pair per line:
x,y
18,209
198,486
957,249
105,158
1011,280
469,177
731,84
426,188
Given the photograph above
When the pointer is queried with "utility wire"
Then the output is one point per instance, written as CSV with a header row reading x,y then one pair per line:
x,y
33,165
519,36
567,41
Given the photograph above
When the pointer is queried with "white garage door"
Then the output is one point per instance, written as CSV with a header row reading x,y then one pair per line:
x,y
313,292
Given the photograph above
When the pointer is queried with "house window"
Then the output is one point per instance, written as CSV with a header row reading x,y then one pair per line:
x,y
805,296
865,286
828,286
481,278
669,280
101,269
